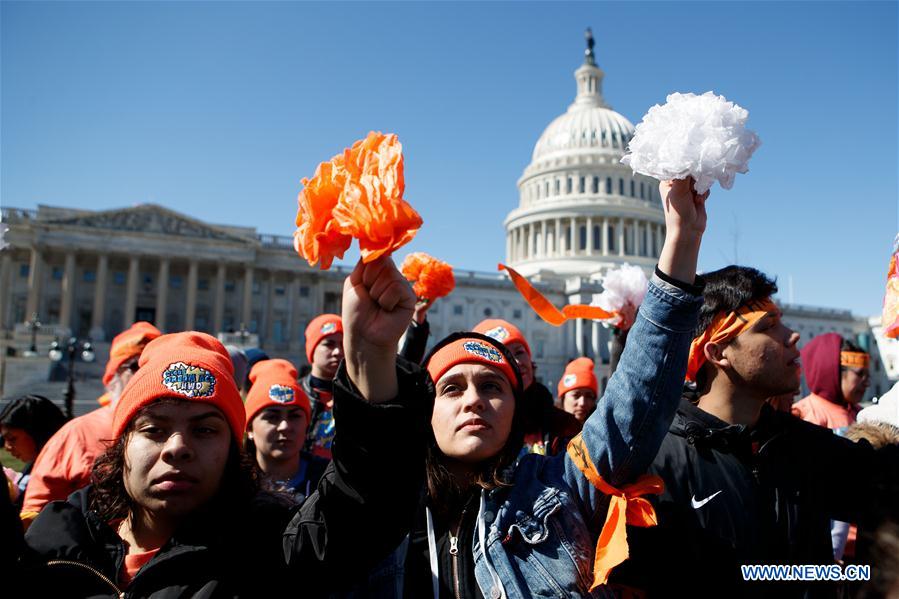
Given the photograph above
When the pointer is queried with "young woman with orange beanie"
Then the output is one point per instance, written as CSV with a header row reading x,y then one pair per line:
x,y
578,388
175,509
493,525
277,418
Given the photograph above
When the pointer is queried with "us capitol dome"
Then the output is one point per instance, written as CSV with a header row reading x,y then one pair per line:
x,y
580,210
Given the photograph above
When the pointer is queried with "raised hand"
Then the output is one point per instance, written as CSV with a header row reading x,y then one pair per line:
x,y
378,304
685,221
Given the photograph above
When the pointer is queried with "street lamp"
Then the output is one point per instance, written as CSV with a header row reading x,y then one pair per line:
x,y
72,348
33,325
244,334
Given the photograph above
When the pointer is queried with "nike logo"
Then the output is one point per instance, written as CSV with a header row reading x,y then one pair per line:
x,y
698,504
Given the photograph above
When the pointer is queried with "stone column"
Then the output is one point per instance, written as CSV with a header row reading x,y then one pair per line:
x,y
67,294
218,310
572,237
5,288
604,236
246,313
589,235
98,316
638,237
620,236
35,280
293,313
162,293
594,341
579,336
190,308
270,309
558,238
131,291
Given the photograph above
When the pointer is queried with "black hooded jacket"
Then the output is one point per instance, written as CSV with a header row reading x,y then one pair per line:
x,y
765,495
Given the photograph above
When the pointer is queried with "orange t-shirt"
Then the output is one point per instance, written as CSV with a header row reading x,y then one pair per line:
x,y
64,464
822,412
133,563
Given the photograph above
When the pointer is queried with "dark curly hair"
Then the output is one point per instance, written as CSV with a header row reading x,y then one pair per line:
x,y
36,415
443,490
726,290
108,497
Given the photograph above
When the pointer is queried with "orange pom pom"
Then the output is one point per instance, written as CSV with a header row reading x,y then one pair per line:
x,y
357,194
431,278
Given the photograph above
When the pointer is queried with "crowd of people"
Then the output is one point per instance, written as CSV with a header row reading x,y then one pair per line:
x,y
387,471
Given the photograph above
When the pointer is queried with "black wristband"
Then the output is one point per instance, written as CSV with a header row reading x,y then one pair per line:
x,y
694,288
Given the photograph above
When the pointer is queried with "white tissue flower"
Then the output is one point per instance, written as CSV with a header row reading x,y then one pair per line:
x,y
623,291
700,136
3,229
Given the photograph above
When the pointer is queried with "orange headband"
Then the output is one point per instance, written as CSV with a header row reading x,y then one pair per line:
x,y
854,359
725,327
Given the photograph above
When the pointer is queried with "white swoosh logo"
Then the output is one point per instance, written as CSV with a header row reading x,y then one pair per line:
x,y
698,504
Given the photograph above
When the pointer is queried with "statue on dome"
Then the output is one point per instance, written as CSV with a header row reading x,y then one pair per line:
x,y
588,53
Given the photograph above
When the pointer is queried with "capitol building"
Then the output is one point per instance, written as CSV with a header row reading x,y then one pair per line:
x,y
579,213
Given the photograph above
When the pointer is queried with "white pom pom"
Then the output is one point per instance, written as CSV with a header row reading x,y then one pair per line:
x,y
623,291
3,229
700,136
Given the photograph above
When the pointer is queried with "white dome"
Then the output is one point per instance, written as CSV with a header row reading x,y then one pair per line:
x,y
586,128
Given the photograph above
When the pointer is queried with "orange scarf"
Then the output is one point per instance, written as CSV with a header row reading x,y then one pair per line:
x,y
724,328
626,506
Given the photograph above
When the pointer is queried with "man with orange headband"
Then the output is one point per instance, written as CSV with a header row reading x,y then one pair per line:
x,y
64,464
746,484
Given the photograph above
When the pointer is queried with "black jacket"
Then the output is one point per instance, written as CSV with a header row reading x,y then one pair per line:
x,y
362,508
765,495
416,341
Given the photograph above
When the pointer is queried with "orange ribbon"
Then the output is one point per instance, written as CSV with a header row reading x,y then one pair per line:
x,y
724,328
626,506
546,310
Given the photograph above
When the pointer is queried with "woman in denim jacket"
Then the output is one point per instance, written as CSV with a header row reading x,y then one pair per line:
x,y
554,527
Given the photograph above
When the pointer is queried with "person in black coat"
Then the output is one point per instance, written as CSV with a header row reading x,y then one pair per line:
x,y
175,509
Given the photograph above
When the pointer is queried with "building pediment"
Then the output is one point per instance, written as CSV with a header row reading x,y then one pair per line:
x,y
153,219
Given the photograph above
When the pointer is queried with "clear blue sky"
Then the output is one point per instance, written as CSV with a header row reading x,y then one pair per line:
x,y
219,109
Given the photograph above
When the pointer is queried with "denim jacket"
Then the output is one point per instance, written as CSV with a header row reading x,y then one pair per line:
x,y
537,537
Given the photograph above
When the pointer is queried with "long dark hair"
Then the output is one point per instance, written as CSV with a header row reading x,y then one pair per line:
x,y
240,482
36,415
443,490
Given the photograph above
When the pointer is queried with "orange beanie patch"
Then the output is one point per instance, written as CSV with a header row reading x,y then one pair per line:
x,y
128,344
579,374
190,365
469,351
274,383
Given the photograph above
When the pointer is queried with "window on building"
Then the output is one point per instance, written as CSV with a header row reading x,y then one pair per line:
x,y
596,237
147,279
633,189
230,286
458,309
304,291
488,312
57,273
516,314
582,185
541,347
89,276
642,191
568,185
280,290
614,139
595,184
203,284
546,191
176,281
621,187
257,288
558,186
24,269
609,185
118,278
583,237
610,235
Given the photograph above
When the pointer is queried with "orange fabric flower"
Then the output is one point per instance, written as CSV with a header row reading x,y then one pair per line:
x,y
357,194
431,278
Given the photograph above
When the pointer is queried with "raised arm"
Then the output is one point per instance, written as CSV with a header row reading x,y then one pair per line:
x,y
366,500
623,435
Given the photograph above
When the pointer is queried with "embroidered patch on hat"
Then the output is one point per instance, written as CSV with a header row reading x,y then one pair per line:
x,y
280,393
500,333
329,327
189,380
569,380
483,350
